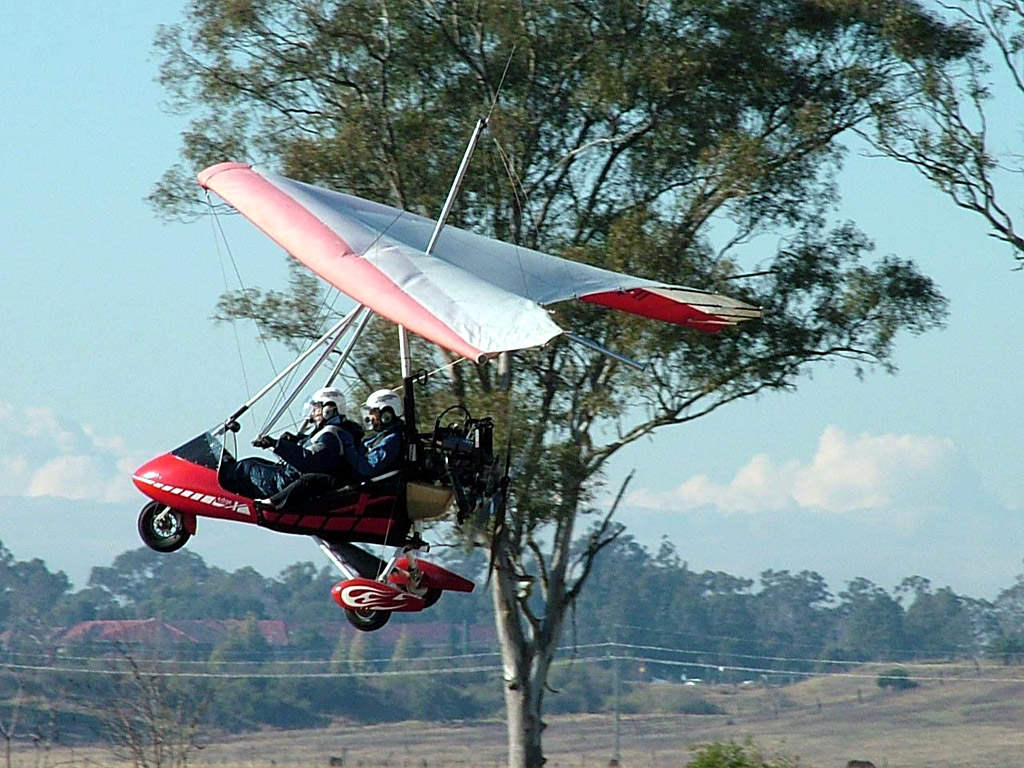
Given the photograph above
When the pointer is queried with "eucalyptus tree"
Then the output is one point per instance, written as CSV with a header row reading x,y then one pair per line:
x,y
961,129
690,141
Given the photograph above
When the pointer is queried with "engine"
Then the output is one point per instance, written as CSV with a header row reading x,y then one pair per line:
x,y
460,453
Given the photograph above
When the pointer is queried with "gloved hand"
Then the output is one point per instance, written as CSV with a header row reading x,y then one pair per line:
x,y
288,437
264,441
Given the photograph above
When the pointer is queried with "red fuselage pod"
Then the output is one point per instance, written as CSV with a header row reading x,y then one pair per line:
x,y
191,489
187,481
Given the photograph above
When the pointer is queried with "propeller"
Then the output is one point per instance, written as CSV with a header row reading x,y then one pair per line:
x,y
496,504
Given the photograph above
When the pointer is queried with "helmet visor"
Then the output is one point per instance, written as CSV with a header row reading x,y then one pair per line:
x,y
311,405
368,413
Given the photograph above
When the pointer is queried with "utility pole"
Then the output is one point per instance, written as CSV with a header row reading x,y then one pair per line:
x,y
617,756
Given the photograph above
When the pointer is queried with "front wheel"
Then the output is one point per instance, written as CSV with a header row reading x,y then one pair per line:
x,y
366,620
162,528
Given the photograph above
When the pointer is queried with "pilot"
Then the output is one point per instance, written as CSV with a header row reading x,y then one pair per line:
x,y
323,452
382,451
377,455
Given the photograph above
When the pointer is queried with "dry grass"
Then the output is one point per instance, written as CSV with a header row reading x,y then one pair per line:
x,y
970,718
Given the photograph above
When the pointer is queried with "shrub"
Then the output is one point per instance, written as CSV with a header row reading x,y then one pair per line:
x,y
729,754
578,689
668,699
897,679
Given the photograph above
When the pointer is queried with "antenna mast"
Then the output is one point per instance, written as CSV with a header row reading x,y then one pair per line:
x,y
403,334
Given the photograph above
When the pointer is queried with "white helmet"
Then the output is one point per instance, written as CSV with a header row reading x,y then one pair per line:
x,y
332,399
383,400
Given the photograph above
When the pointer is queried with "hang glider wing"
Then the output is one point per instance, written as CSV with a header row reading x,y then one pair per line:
x,y
473,295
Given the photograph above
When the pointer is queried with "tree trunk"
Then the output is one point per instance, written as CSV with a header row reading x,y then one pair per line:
x,y
523,680
524,726
529,641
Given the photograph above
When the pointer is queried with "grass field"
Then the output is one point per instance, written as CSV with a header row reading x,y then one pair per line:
x,y
958,716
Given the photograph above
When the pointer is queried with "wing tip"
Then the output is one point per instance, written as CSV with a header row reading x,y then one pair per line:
x,y
710,313
206,175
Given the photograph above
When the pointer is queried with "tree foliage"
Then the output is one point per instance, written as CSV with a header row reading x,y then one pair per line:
x,y
960,128
659,138
627,131
872,620
721,625
896,679
153,721
732,754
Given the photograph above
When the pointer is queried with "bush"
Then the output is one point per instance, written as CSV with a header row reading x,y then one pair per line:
x,y
897,679
729,754
435,698
1008,649
577,689
668,698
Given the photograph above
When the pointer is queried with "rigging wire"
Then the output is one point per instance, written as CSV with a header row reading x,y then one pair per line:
x,y
227,287
219,228
327,306
524,209
523,205
501,82
324,311
241,282
424,375
286,385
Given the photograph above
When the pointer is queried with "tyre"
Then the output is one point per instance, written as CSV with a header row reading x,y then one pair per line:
x,y
431,596
162,528
366,620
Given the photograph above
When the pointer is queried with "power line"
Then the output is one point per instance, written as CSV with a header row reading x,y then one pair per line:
x,y
587,648
268,661
247,675
780,636
600,653
813,673
798,660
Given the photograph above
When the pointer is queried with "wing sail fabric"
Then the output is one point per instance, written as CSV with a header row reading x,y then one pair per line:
x,y
473,295
702,310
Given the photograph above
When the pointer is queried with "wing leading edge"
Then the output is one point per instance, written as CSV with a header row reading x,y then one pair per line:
x,y
472,295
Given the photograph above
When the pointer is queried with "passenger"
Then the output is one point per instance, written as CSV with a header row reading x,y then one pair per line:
x,y
324,452
364,460
382,451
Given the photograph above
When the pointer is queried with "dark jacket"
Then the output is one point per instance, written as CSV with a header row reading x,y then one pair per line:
x,y
382,452
324,451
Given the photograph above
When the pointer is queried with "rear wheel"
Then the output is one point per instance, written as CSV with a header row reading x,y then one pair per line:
x,y
366,620
162,528
430,597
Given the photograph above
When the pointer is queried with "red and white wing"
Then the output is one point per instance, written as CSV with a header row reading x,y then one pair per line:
x,y
473,295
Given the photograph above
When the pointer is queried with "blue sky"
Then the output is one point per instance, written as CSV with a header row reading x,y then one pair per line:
x,y
109,357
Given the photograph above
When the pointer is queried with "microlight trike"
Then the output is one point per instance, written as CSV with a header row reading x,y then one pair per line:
x,y
472,295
